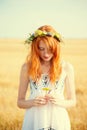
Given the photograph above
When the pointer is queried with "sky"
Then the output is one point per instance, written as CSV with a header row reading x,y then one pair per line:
x,y
18,18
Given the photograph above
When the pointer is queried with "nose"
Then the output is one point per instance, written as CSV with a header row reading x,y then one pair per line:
x,y
46,51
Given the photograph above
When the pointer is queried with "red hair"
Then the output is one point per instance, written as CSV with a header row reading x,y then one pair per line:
x,y
33,61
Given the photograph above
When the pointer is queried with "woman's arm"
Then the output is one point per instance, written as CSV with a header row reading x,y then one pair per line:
x,y
23,85
70,89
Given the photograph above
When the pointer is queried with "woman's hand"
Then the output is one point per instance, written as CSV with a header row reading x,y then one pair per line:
x,y
53,99
38,101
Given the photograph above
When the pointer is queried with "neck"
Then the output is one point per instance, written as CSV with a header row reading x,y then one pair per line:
x,y
45,67
46,63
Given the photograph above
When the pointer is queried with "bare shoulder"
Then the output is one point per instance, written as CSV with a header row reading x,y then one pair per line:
x,y
24,77
24,70
24,67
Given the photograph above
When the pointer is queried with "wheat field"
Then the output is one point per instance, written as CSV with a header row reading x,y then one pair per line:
x,y
13,54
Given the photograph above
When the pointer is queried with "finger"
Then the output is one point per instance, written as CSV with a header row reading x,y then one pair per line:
x,y
53,102
40,97
40,101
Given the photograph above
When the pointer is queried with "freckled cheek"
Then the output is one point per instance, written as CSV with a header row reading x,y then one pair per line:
x,y
52,55
41,54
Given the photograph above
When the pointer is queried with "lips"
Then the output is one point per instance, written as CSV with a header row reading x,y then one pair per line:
x,y
46,57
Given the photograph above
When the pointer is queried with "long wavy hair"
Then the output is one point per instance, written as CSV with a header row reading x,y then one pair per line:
x,y
34,61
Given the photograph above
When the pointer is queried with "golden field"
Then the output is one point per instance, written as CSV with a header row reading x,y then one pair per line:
x,y
13,54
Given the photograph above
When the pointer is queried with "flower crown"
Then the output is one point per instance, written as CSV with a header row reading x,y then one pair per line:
x,y
40,33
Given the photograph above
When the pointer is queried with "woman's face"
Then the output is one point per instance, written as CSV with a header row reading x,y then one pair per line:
x,y
45,53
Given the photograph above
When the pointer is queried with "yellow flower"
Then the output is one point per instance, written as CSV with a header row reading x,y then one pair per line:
x,y
57,35
38,33
46,89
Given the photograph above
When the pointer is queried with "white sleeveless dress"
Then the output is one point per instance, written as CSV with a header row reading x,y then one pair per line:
x,y
50,116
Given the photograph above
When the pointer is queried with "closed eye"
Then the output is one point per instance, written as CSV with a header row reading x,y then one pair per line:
x,y
41,48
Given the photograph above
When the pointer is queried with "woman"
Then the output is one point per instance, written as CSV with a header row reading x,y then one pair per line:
x,y
48,78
